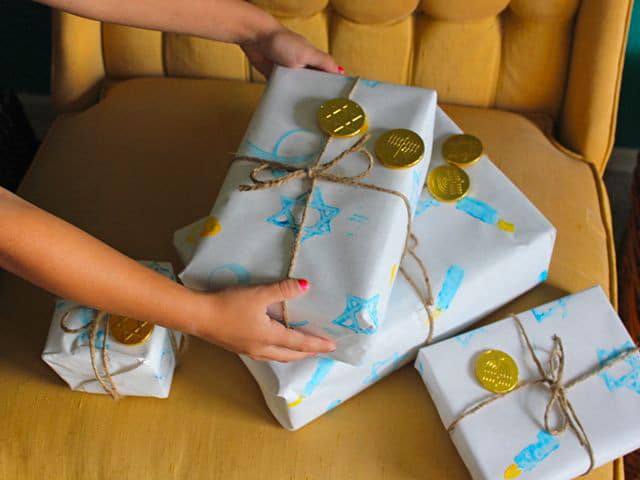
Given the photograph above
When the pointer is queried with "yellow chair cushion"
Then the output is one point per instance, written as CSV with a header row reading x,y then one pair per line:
x,y
148,159
562,57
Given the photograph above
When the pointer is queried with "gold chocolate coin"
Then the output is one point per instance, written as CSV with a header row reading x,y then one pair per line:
x,y
399,148
462,150
342,117
129,331
448,183
496,371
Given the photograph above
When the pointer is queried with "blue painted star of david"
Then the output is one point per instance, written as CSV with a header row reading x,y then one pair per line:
x,y
357,310
287,216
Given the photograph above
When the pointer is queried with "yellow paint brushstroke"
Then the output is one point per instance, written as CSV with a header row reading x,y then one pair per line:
x,y
512,471
394,269
506,226
296,402
211,227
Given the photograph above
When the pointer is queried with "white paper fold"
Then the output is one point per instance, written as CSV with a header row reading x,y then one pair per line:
x,y
474,266
353,239
507,438
140,370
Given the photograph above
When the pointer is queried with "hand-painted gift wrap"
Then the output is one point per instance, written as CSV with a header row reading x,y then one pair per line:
x,y
354,233
588,378
470,258
86,355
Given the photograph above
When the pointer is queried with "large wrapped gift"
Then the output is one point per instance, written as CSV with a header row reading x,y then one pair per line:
x,y
475,267
98,353
355,228
568,381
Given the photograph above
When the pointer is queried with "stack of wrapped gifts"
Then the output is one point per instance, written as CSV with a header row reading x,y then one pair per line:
x,y
409,234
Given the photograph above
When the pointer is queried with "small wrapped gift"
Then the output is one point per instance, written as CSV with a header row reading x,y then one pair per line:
x,y
98,353
468,258
301,204
568,377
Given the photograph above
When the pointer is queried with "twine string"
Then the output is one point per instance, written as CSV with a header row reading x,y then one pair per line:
x,y
552,376
318,171
106,380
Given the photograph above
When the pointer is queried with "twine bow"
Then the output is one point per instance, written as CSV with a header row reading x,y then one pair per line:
x,y
551,376
322,171
106,380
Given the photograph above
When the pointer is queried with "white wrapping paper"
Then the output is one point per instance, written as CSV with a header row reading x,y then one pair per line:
x,y
141,370
468,260
507,439
353,239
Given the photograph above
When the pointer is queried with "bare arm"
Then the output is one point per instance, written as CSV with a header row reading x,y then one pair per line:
x,y
265,40
57,256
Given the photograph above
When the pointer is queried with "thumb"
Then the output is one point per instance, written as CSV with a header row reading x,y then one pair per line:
x,y
286,289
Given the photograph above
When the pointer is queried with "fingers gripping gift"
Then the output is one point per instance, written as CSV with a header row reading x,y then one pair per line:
x,y
305,198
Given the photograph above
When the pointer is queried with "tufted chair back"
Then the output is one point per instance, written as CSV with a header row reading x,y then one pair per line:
x,y
559,58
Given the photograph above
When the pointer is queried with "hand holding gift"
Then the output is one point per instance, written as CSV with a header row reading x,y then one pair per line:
x,y
305,199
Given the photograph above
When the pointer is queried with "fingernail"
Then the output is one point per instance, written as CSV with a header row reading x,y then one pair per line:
x,y
340,69
304,284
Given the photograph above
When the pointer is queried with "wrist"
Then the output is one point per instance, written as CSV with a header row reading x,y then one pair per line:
x,y
200,313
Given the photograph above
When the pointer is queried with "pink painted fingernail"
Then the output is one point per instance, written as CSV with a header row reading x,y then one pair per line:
x,y
304,284
340,69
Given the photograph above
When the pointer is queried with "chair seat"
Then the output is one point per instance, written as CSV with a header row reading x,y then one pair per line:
x,y
148,159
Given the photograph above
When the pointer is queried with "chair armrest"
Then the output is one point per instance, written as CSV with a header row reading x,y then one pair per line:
x,y
78,69
588,118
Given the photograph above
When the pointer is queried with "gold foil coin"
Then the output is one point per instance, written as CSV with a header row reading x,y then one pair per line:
x,y
496,371
342,117
129,331
462,150
448,183
399,148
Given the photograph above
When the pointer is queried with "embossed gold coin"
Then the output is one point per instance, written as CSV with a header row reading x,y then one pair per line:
x,y
448,183
496,371
462,150
129,331
399,148
342,117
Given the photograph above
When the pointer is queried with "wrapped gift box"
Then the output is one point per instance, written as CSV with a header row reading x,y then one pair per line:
x,y
353,238
507,438
469,260
145,369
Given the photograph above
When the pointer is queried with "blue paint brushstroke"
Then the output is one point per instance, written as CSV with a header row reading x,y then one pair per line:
x,y
531,456
355,308
465,338
395,360
450,286
320,373
630,379
542,315
425,204
255,151
543,276
478,209
333,405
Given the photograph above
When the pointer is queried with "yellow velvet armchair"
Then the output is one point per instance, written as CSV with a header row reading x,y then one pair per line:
x,y
141,148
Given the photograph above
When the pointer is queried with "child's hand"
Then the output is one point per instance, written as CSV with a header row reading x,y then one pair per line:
x,y
284,47
237,320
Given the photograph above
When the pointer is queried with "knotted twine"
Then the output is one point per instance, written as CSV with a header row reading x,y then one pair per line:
x,y
551,376
106,380
318,171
